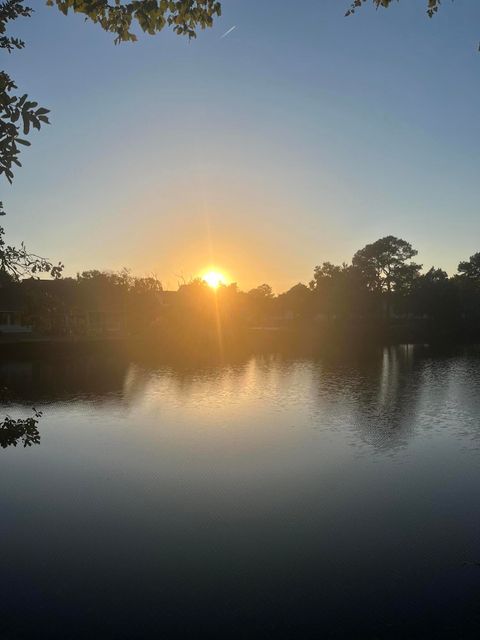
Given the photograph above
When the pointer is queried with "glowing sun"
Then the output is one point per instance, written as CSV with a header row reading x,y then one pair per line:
x,y
214,279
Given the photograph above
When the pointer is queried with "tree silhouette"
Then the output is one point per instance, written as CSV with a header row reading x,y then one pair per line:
x,y
436,297
17,263
17,113
384,264
151,16
432,6
340,291
471,268
262,292
297,300
385,268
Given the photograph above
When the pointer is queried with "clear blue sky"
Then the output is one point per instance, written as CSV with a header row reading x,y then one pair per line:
x,y
298,138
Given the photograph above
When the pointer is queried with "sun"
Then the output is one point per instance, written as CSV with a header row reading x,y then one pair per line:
x,y
214,279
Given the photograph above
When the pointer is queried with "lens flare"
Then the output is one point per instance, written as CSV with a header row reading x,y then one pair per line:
x,y
214,279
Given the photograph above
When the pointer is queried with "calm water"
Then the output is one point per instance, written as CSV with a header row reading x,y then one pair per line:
x,y
263,499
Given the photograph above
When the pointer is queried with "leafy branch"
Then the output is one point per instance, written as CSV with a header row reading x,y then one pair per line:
x,y
432,6
10,10
24,430
15,112
18,114
17,263
184,16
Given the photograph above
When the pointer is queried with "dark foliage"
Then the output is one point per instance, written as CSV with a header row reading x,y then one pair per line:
x,y
432,6
18,114
14,431
185,17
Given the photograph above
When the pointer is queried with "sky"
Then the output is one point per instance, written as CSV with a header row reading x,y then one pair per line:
x,y
297,138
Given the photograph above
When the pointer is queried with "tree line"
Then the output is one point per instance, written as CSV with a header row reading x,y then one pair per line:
x,y
381,289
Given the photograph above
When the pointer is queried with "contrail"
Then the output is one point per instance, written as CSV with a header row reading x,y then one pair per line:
x,y
229,31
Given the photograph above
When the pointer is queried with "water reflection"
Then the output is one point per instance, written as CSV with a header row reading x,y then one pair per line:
x,y
283,497
51,380
377,397
383,397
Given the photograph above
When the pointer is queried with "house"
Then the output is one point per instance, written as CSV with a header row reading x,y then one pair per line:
x,y
93,307
12,311
63,307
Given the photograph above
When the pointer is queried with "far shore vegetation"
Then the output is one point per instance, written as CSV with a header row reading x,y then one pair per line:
x,y
383,295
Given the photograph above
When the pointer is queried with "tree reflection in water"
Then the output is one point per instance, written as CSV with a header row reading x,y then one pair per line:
x,y
383,397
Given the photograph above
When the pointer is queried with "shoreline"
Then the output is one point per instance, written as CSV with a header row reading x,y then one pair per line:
x,y
249,342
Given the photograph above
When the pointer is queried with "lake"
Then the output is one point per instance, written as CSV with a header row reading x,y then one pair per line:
x,y
263,498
